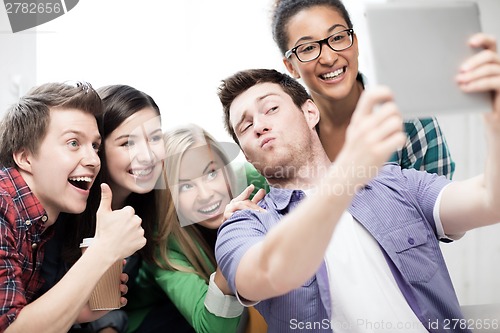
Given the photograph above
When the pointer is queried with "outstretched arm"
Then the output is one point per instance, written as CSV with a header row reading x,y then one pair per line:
x,y
277,264
476,202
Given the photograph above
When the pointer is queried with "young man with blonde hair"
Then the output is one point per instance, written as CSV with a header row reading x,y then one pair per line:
x,y
48,156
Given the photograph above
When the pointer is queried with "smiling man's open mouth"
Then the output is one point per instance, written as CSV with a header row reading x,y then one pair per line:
x,y
82,183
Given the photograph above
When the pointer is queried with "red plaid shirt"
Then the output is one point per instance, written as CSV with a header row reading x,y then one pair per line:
x,y
22,243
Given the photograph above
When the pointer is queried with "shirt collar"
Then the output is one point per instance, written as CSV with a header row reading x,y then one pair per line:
x,y
280,198
32,211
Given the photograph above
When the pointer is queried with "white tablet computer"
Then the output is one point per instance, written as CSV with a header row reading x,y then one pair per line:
x,y
489,13
417,48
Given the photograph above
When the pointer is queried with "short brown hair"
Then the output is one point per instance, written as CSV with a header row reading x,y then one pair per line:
x,y
25,123
238,83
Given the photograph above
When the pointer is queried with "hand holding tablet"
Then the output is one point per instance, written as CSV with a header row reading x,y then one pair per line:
x,y
417,49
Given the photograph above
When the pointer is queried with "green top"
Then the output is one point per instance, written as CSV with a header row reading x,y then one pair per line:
x,y
186,291
255,178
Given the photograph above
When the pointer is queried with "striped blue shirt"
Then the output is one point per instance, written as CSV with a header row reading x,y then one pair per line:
x,y
397,209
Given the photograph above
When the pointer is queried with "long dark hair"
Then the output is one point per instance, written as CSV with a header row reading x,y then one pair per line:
x,y
119,103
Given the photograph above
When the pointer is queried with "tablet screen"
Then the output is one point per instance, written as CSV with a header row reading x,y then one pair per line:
x,y
417,48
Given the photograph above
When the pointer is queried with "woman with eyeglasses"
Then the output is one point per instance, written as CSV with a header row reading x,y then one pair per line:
x,y
320,47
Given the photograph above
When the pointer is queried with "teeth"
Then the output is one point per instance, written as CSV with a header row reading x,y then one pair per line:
x,y
210,209
81,179
142,172
333,75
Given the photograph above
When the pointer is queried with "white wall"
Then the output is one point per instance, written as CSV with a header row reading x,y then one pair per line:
x,y
179,51
175,51
17,63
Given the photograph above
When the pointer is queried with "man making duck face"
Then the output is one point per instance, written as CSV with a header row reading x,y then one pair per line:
x,y
355,242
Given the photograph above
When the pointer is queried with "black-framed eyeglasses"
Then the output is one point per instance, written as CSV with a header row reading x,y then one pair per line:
x,y
309,51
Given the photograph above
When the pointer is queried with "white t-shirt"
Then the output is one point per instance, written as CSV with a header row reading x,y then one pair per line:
x,y
365,296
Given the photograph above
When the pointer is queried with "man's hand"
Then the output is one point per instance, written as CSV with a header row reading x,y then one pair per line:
x,y
375,132
118,232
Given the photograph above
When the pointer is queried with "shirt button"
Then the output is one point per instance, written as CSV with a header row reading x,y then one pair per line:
x,y
44,218
411,241
34,246
27,222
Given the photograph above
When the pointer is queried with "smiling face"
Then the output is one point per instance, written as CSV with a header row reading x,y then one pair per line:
x,y
333,74
203,188
134,154
62,171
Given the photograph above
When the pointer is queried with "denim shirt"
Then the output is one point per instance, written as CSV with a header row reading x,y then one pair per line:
x,y
397,210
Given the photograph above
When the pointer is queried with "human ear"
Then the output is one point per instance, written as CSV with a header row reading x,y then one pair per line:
x,y
22,158
312,113
290,68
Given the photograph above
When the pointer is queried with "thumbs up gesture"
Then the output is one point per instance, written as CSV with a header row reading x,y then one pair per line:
x,y
119,232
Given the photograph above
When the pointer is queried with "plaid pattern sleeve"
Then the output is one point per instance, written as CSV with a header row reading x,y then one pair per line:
x,y
425,148
11,290
21,245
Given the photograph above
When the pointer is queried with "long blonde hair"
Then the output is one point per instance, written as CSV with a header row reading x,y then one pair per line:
x,y
189,238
